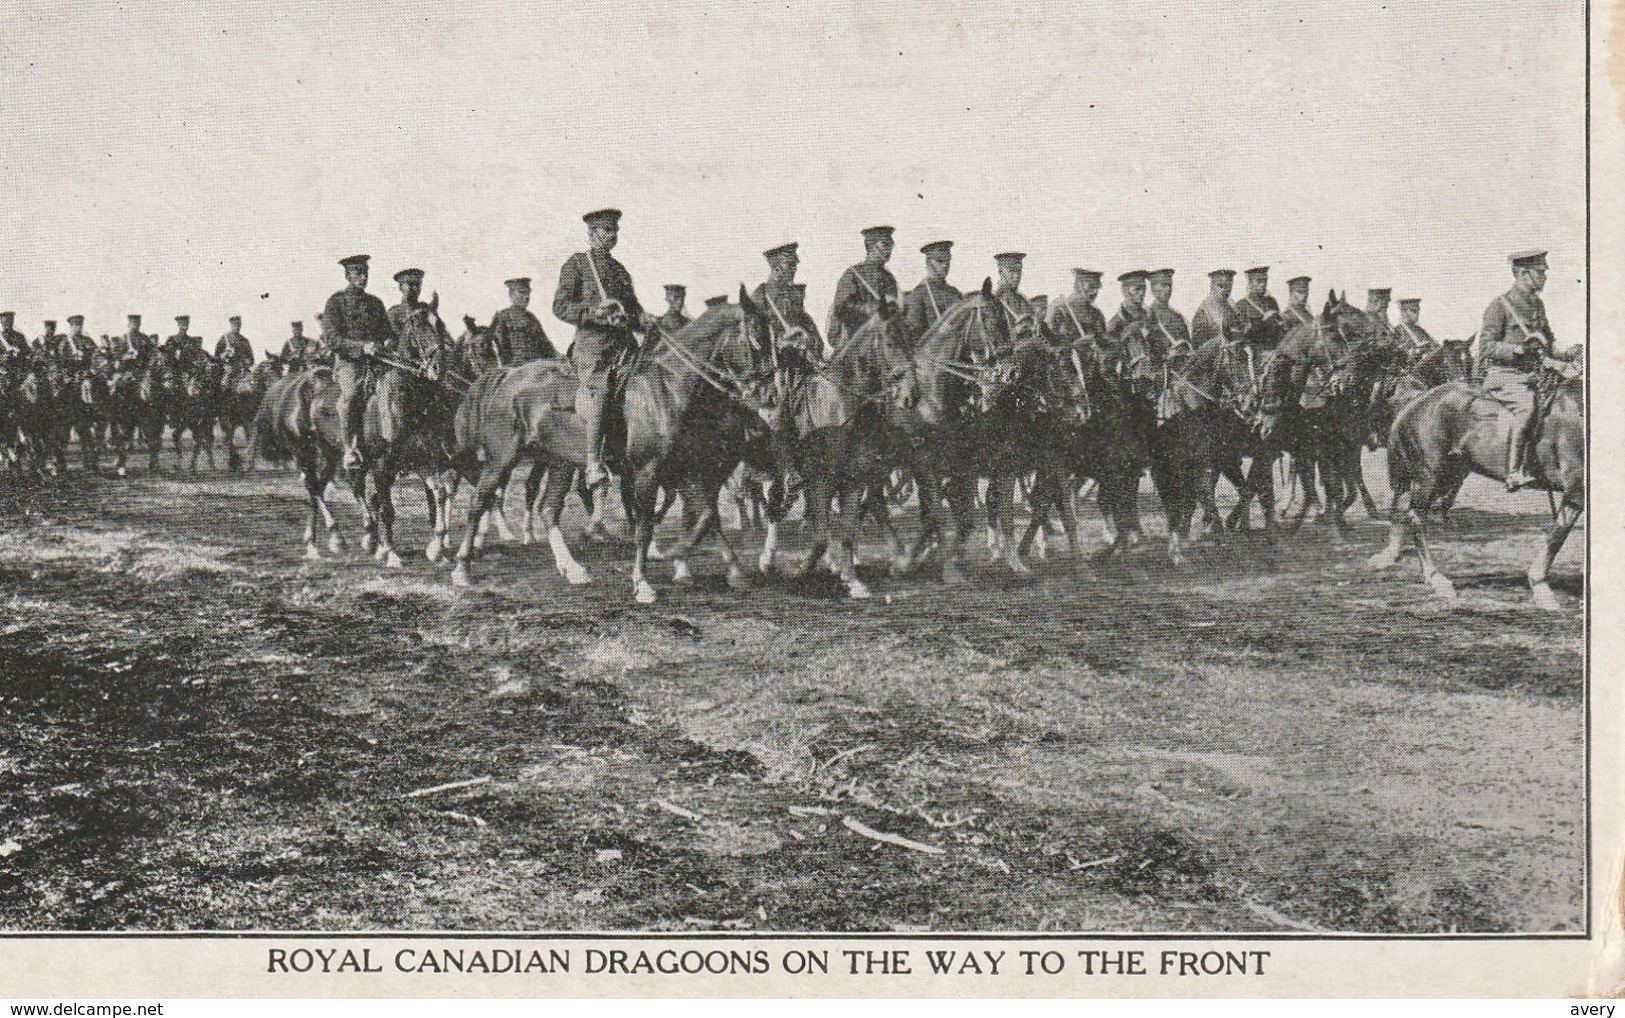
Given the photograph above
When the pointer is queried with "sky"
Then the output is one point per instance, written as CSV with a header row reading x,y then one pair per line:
x,y
219,158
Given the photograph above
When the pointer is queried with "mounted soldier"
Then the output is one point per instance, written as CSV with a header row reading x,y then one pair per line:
x,y
1297,303
864,287
356,328
76,346
12,342
233,348
419,332
1412,338
925,304
1513,343
1216,318
595,294
517,336
1131,317
1075,318
675,317
1376,308
132,343
183,348
1262,325
1165,325
299,351
45,347
786,306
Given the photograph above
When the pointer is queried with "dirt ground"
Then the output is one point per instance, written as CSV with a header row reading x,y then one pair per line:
x,y
198,730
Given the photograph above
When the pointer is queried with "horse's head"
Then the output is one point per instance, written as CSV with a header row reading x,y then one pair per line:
x,y
962,360
476,350
93,388
1456,360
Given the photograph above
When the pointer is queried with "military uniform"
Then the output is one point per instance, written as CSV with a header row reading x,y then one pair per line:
x,y
518,337
1294,315
1128,320
1260,323
352,319
1077,321
674,319
48,345
587,280
1414,340
234,348
858,295
77,346
1213,320
785,305
299,351
11,341
926,303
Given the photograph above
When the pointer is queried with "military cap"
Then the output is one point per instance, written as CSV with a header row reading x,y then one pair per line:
x,y
716,302
183,319
13,314
773,254
76,318
409,276
937,247
1222,274
1259,270
1297,281
360,260
1133,276
50,323
677,289
1164,275
602,217
516,281
1379,291
234,319
1531,259
1087,274
874,233
297,325
1411,302
133,319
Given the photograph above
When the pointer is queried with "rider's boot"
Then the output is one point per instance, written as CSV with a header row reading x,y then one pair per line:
x,y
1517,448
590,407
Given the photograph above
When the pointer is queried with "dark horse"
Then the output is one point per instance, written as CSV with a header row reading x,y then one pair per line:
x,y
39,412
1451,361
691,403
195,406
1080,412
85,411
1456,429
297,422
138,401
241,390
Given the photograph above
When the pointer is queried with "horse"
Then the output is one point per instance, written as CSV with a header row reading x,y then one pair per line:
x,y
297,422
38,411
691,402
1084,412
139,392
945,412
195,406
1204,425
1457,429
1451,361
85,411
241,390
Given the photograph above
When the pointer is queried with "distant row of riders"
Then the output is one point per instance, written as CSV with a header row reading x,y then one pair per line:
x,y
979,397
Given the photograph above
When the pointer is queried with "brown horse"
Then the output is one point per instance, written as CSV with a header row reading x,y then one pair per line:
x,y
297,422
1457,429
195,406
691,403
241,390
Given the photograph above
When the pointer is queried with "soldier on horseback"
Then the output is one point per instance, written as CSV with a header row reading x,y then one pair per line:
x,y
1512,345
45,347
1376,308
1261,323
132,344
1413,339
12,342
357,329
299,350
924,305
787,314
233,348
419,332
184,349
76,346
595,294
864,287
1217,318
674,318
1073,318
1131,317
1162,321
1297,303
517,335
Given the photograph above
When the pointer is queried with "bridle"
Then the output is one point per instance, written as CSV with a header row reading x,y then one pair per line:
x,y
720,377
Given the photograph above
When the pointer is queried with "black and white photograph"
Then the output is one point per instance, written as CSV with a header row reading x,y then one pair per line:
x,y
722,471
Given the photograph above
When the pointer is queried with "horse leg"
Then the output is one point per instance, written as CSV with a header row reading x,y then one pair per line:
x,y
711,491
434,486
1567,515
533,495
817,496
310,477
479,504
1006,523
642,498
383,488
844,536
553,499
961,498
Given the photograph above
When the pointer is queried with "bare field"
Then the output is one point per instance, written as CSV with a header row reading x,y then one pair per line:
x,y
198,730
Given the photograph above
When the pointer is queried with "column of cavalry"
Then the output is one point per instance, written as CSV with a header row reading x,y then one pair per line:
x,y
966,399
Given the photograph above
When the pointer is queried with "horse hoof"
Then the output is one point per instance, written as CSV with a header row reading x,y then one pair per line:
x,y
900,567
479,543
122,472
459,576
1543,597
393,561
1380,561
737,580
1443,589
435,550
680,573
656,553
577,577
369,544
952,577
380,553
335,544
764,565
1018,567
859,591
312,553
643,593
